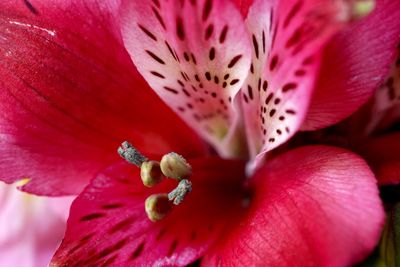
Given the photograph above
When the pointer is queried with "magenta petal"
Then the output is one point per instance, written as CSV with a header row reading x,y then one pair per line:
x,y
355,63
108,224
195,55
313,206
70,94
287,40
382,153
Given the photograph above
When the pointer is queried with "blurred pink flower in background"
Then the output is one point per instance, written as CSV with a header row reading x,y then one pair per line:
x,y
32,227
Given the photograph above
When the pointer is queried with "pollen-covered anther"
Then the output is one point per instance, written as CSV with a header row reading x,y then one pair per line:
x,y
157,206
178,194
175,166
131,154
150,173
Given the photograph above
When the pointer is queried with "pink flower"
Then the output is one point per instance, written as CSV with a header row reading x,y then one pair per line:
x,y
71,95
31,227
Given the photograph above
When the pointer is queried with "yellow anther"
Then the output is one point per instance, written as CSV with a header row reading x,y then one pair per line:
x,y
175,166
150,172
157,206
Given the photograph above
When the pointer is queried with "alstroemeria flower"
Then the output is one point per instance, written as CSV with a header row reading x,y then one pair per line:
x,y
31,227
71,95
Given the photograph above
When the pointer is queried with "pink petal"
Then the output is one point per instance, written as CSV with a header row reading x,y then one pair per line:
x,y
389,94
30,229
382,153
355,63
70,95
287,38
108,223
313,206
243,5
195,55
385,105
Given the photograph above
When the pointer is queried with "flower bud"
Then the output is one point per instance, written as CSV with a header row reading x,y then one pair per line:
x,y
157,206
175,166
150,172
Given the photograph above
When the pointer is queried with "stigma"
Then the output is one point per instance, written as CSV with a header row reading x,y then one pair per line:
x,y
173,166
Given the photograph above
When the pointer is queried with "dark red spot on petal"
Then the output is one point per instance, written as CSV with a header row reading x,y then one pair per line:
x,y
234,61
156,3
159,75
186,56
138,251
288,87
234,81
290,111
211,54
265,85
292,13
255,45
169,89
159,18
222,36
269,97
272,112
147,32
273,63
31,7
92,216
112,206
300,73
179,29
209,31
208,75
207,9
155,57
250,91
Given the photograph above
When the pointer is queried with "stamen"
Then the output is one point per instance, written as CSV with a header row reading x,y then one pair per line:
x,y
175,166
131,154
150,172
179,193
172,165
157,206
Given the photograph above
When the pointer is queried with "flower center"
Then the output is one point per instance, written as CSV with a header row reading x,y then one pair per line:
x,y
172,165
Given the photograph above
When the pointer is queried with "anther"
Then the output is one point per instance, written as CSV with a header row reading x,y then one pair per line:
x,y
178,194
157,206
150,173
175,166
131,154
